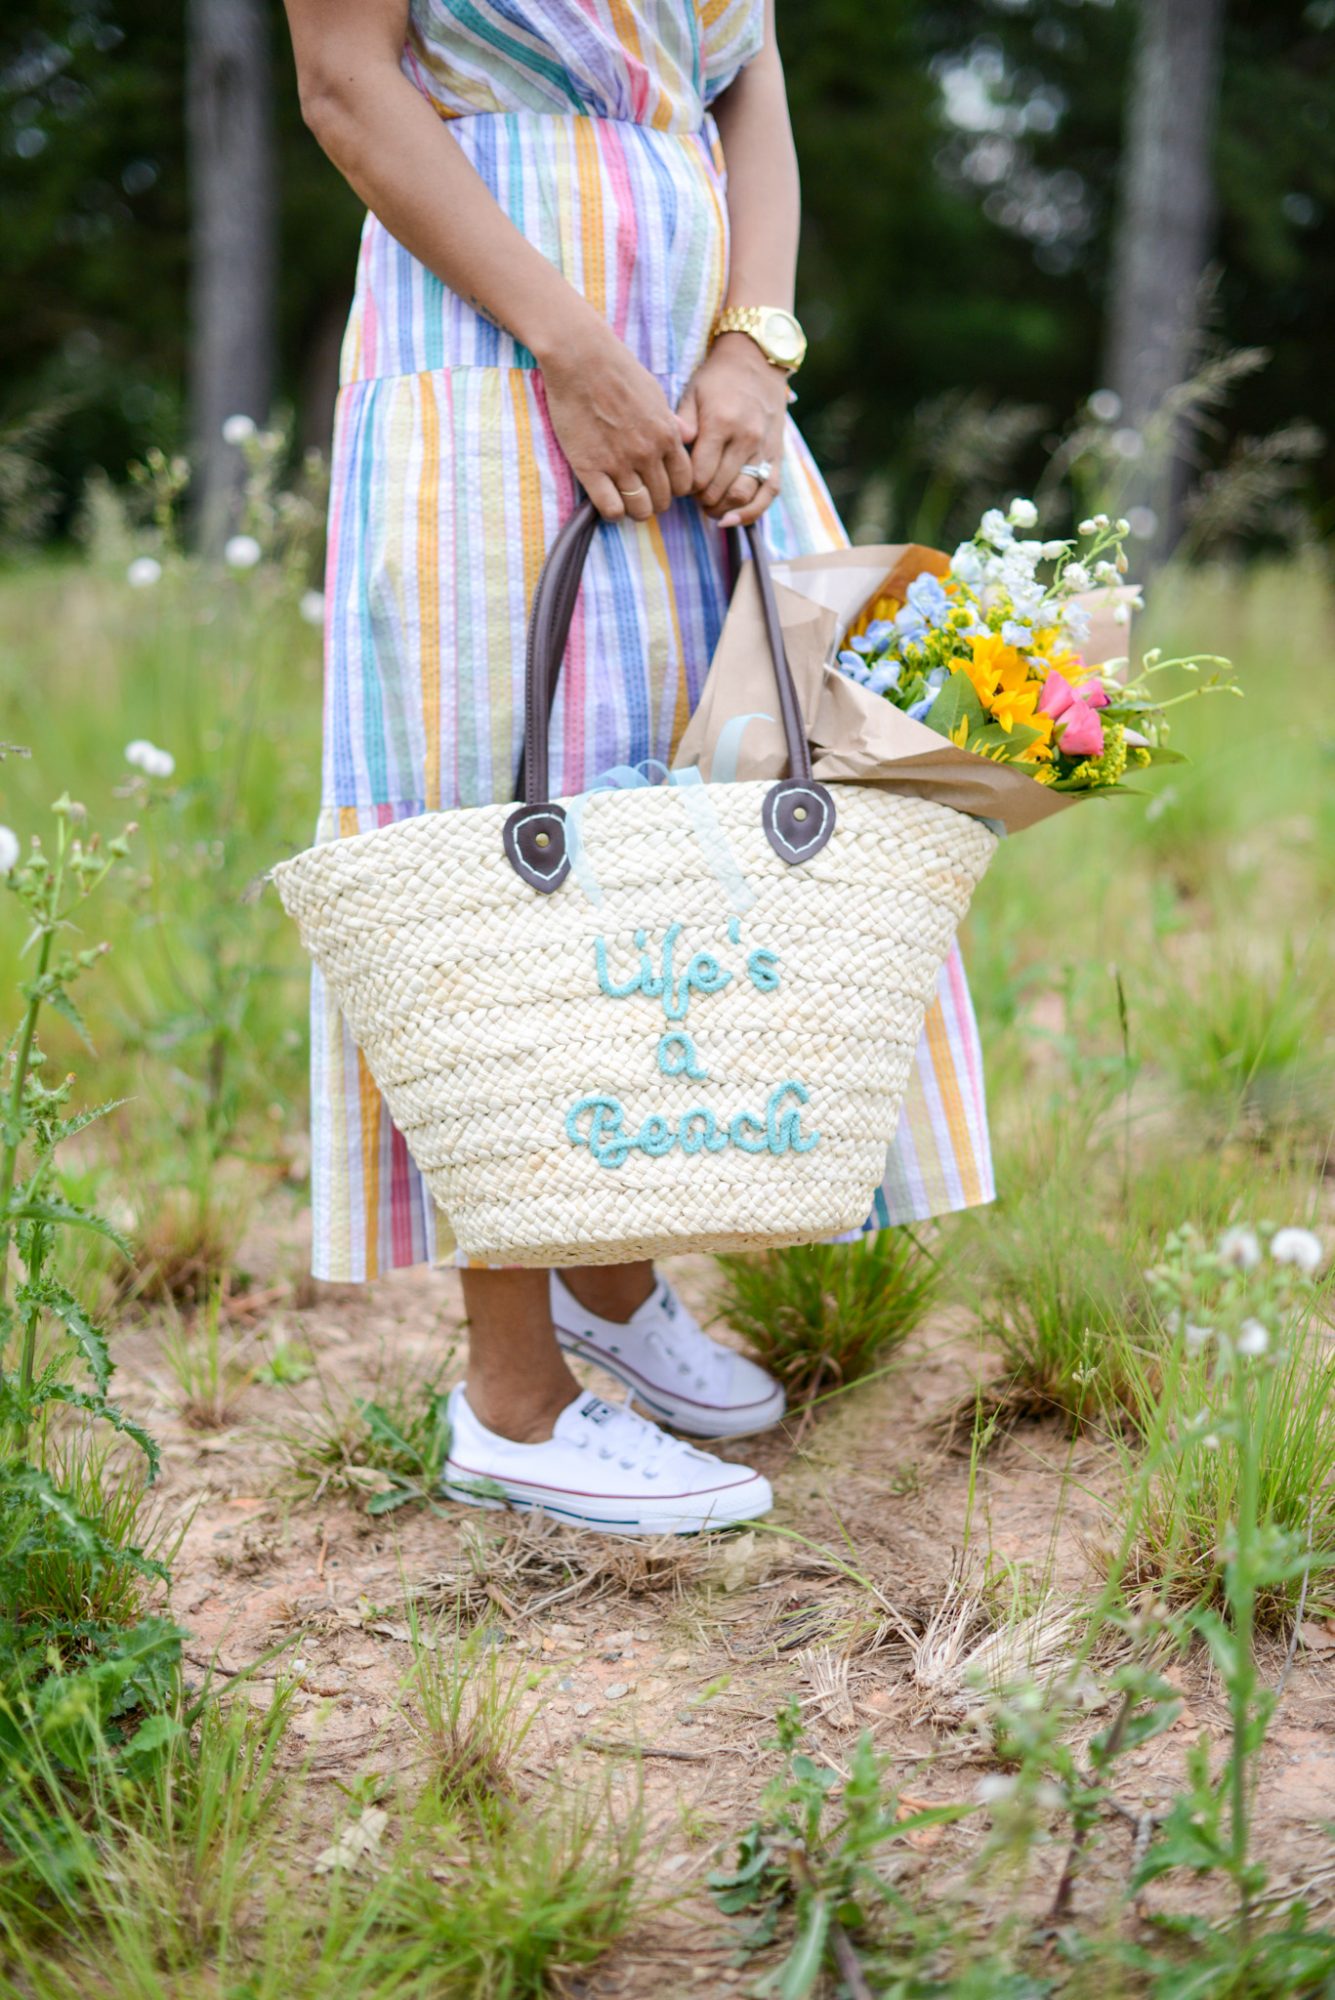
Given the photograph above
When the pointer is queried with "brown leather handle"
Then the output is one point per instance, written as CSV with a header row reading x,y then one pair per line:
x,y
549,628
797,814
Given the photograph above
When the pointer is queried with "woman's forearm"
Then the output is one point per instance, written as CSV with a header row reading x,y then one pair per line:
x,y
397,154
764,197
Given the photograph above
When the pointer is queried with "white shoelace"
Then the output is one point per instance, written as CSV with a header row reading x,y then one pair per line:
x,y
636,1444
688,1349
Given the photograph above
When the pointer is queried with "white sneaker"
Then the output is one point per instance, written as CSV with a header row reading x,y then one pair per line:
x,y
672,1366
602,1467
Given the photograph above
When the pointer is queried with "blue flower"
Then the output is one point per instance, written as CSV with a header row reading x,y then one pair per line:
x,y
863,643
879,633
884,677
929,599
1016,634
937,679
920,709
853,665
910,624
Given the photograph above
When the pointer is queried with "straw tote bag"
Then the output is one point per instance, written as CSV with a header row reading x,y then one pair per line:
x,y
656,1018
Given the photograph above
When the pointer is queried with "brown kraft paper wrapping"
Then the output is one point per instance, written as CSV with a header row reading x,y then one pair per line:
x,y
856,737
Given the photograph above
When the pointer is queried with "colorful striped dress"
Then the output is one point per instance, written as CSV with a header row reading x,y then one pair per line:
x,y
589,122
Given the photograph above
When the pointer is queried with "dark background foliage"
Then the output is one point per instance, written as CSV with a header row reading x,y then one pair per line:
x,y
960,169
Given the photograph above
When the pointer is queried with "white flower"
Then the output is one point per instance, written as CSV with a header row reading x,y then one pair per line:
x,y
147,757
967,565
311,607
1106,572
1076,576
1297,1246
242,552
9,849
1077,622
143,572
1023,514
1196,1336
1253,1337
1211,1440
1121,614
1241,1248
1052,550
238,429
1090,527
992,1789
997,529
1123,526
1105,405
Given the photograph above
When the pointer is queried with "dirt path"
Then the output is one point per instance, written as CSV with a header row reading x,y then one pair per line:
x,y
687,1650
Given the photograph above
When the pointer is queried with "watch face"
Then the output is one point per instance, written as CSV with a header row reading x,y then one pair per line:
x,y
783,336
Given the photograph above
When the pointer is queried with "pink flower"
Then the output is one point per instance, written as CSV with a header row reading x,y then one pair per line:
x,y
1096,695
1081,733
1057,695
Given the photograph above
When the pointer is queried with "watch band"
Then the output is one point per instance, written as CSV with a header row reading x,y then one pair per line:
x,y
751,320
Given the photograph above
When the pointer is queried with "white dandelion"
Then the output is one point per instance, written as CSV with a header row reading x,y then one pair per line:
x,y
242,552
143,572
9,849
1297,1246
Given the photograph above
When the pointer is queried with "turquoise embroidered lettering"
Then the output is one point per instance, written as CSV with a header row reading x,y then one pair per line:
x,y
606,1137
656,1137
763,970
678,1056
784,1134
734,931
707,1139
749,1134
605,983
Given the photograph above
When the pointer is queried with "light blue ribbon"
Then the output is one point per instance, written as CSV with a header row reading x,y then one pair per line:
x,y
694,795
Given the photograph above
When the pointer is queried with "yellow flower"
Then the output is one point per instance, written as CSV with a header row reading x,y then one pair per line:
x,y
959,735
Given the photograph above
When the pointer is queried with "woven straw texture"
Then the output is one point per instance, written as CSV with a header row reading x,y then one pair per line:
x,y
478,1005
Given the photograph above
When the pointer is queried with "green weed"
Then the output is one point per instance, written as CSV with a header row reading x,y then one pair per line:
x,y
824,1315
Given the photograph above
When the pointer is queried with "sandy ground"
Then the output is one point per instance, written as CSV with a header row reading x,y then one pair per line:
x,y
686,1652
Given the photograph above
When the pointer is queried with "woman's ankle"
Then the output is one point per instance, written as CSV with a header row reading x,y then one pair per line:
x,y
612,1291
524,1414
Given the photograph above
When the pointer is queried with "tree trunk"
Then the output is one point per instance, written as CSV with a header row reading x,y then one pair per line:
x,y
1164,225
229,125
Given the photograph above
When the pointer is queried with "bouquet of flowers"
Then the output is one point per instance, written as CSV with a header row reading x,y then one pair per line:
x,y
990,655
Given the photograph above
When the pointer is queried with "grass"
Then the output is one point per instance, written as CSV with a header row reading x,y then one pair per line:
x,y
1182,1547
824,1316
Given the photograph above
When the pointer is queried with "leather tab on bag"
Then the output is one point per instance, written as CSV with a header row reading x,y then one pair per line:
x,y
536,846
798,817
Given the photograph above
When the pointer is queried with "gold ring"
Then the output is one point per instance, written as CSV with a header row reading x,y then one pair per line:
x,y
629,492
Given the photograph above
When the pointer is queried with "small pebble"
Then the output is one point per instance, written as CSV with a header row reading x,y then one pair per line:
x,y
615,1689
583,1708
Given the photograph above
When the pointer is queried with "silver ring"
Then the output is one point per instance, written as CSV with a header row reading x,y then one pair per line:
x,y
759,472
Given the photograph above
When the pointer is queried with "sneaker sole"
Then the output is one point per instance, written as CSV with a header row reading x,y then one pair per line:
x,y
601,1515
689,1418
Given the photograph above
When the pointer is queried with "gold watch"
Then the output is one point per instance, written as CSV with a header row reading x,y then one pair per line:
x,y
775,332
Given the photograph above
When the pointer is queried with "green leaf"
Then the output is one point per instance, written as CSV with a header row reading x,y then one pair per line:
x,y
958,701
392,1497
110,1413
87,1338
66,1216
1159,753
153,1738
803,1966
384,1430
60,1003
993,737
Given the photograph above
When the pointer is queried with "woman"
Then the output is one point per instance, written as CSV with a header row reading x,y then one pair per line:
x,y
558,285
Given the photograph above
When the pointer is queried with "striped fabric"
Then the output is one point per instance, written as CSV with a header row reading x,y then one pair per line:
x,y
588,121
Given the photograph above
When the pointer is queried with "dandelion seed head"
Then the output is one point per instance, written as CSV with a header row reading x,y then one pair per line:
x,y
238,429
143,572
242,552
9,849
1300,1247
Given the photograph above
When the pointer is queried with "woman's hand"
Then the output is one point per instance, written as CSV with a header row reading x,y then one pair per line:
x,y
614,423
733,414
